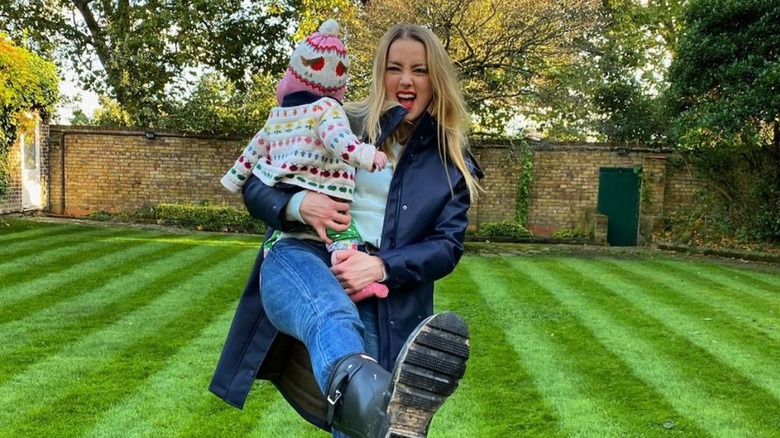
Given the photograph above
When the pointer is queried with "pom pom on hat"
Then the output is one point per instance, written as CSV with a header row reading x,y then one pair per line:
x,y
330,27
318,65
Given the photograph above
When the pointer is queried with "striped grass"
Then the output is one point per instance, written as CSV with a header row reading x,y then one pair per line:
x,y
110,331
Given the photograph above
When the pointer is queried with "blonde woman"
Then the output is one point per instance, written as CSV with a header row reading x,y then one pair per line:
x,y
365,369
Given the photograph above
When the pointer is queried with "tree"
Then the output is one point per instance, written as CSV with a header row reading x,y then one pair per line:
x,y
217,106
502,49
612,91
725,102
27,82
140,53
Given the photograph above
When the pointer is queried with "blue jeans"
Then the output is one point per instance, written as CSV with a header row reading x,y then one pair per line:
x,y
303,299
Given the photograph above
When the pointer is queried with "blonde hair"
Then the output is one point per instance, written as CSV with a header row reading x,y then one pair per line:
x,y
447,106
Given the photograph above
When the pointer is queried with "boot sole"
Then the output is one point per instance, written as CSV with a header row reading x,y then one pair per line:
x,y
428,371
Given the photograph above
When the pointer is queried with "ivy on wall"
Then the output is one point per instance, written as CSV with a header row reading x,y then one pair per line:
x,y
521,151
27,82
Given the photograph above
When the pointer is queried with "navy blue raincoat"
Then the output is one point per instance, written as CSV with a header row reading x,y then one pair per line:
x,y
422,241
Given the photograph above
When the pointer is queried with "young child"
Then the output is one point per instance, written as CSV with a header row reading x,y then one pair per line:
x,y
307,141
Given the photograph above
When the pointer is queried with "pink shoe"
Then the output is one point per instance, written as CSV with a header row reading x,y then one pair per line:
x,y
378,290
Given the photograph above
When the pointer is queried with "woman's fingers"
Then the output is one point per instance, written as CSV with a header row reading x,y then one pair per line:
x,y
322,212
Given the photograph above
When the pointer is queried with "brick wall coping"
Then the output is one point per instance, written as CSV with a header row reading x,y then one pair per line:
x,y
547,145
132,132
497,143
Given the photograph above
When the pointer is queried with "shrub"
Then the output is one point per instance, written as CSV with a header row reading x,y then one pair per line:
x,y
27,82
201,217
503,229
204,217
105,216
578,232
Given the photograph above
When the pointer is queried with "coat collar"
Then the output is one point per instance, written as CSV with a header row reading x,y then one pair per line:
x,y
301,98
424,131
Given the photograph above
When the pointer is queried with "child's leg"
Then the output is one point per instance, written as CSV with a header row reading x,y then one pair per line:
x,y
347,239
303,299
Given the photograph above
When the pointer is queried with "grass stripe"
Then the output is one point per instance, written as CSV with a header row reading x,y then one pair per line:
x,y
26,398
12,251
721,302
495,377
561,386
136,363
54,259
13,231
280,419
26,341
129,263
88,269
758,295
683,373
764,278
174,401
604,398
719,336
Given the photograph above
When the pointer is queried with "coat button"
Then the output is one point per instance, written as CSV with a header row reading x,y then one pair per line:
x,y
404,207
392,323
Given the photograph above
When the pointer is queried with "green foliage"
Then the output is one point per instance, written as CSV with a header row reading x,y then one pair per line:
x,y
524,154
27,82
698,227
144,54
110,113
726,107
503,50
578,232
609,92
629,115
203,217
503,229
218,106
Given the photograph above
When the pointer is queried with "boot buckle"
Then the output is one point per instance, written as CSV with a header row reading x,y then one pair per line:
x,y
335,399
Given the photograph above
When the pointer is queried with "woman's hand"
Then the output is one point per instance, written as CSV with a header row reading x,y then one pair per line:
x,y
322,212
355,270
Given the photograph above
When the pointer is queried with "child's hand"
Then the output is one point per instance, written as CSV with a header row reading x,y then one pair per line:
x,y
380,161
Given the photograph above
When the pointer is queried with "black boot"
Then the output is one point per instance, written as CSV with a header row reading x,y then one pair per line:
x,y
368,402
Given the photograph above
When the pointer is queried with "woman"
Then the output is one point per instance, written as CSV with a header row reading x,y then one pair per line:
x,y
416,114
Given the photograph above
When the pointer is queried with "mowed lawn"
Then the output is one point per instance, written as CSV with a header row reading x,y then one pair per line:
x,y
115,332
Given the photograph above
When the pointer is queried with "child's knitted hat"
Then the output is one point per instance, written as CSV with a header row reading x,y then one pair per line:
x,y
318,65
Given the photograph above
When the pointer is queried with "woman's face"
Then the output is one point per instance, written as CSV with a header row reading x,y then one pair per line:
x,y
406,77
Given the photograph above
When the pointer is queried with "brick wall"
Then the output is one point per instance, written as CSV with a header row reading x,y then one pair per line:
x,y
112,170
566,182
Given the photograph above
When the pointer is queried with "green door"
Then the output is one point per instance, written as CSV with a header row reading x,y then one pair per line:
x,y
619,201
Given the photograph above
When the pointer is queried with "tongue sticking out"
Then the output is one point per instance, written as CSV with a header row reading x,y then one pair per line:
x,y
406,100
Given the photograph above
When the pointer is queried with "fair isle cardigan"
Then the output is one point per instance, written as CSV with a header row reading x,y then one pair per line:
x,y
309,145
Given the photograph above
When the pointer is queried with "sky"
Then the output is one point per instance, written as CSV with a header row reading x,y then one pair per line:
x,y
68,87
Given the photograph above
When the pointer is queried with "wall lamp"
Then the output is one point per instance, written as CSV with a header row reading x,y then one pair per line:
x,y
149,135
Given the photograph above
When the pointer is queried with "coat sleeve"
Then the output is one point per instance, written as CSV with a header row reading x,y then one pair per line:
x,y
268,203
437,255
